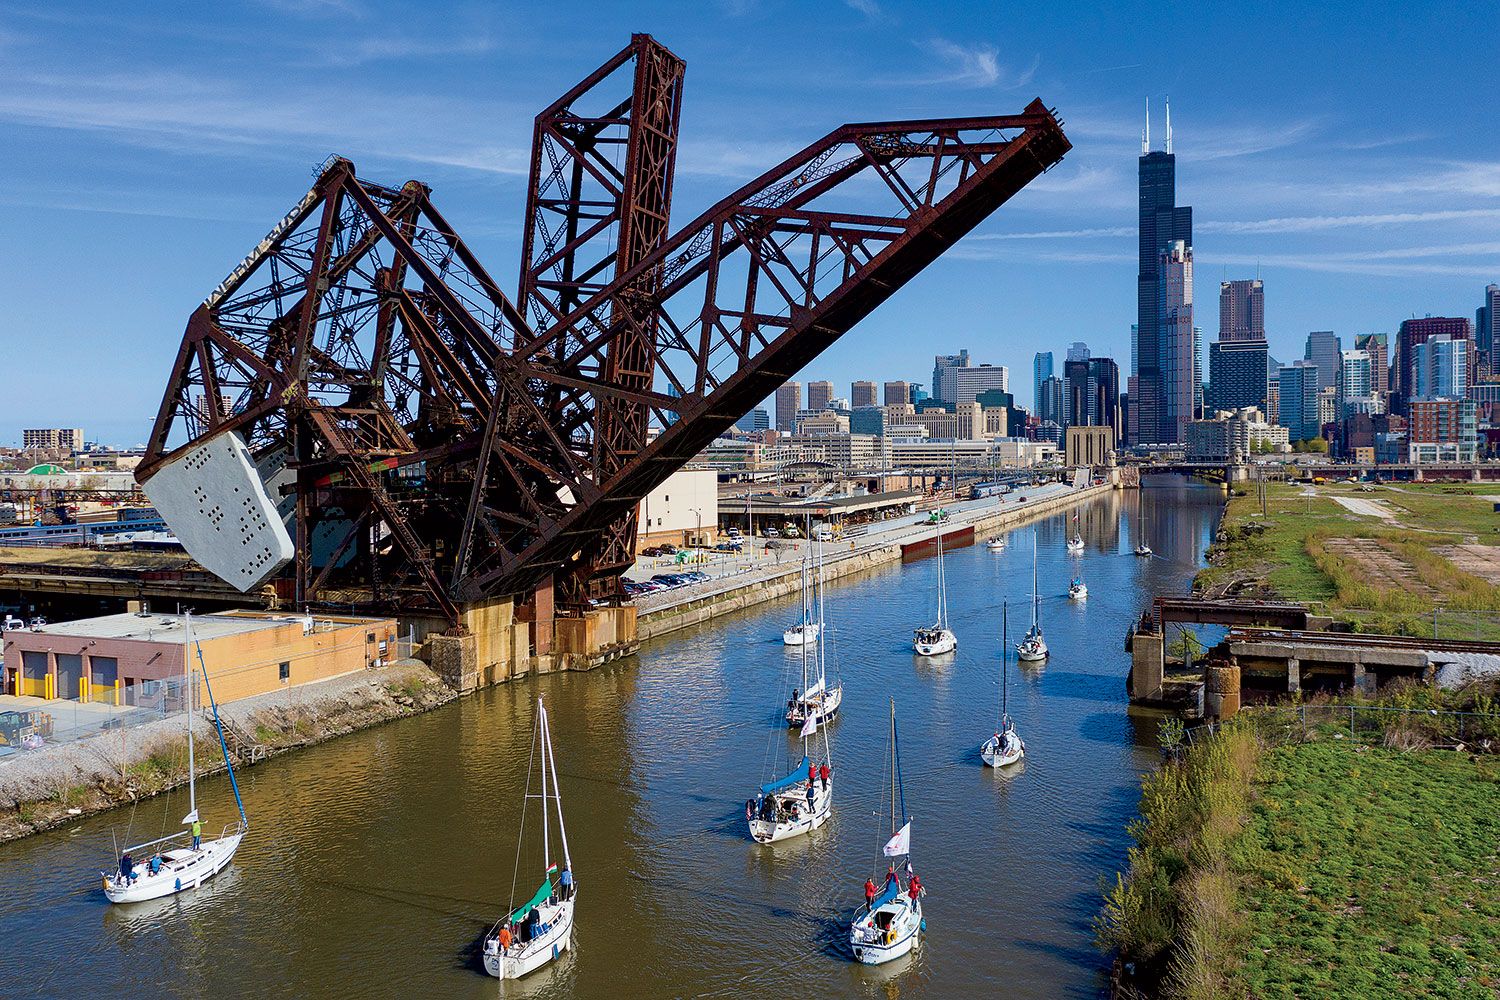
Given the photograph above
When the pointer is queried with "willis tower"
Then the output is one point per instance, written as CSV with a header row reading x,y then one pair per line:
x,y
1162,224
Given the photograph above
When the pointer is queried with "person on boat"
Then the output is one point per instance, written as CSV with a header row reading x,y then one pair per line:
x,y
891,876
565,880
823,773
811,794
197,833
155,863
870,894
127,867
914,889
504,937
812,775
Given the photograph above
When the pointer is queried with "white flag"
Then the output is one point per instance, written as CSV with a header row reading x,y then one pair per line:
x,y
191,817
811,725
899,844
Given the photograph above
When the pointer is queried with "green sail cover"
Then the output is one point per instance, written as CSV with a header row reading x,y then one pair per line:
x,y
542,895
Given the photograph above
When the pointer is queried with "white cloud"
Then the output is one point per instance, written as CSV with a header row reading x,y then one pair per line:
x,y
1318,223
869,8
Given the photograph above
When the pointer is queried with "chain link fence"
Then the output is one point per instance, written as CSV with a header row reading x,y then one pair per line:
x,y
107,708
1406,728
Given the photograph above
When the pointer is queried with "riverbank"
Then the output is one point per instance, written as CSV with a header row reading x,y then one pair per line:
x,y
720,597
1280,860
1378,561
46,789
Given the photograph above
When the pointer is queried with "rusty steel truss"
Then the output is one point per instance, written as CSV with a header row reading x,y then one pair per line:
x,y
435,443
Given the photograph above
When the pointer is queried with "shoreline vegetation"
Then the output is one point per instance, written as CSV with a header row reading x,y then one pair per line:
x,y
1276,856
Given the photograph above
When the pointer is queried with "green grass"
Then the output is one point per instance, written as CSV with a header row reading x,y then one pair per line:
x,y
1370,874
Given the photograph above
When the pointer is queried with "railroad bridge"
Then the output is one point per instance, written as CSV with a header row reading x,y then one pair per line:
x,y
359,415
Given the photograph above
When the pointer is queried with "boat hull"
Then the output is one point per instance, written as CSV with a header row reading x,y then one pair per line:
x,y
827,709
188,870
946,642
995,757
904,934
521,960
1032,653
1078,593
801,635
764,831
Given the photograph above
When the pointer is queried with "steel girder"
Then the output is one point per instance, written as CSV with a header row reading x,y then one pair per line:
x,y
740,300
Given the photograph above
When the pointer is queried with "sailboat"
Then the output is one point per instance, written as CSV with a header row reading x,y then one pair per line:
x,y
1033,647
996,544
183,860
1143,549
890,925
1075,544
815,697
801,801
806,630
540,929
1006,747
1077,590
937,638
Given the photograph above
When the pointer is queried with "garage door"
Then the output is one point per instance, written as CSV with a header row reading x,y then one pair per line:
x,y
103,670
69,673
33,672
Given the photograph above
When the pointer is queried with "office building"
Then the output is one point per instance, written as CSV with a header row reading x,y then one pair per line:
x,y
1403,357
942,363
754,421
1079,351
1438,368
1163,224
1298,400
1242,311
1487,323
1441,430
1323,349
1091,394
52,437
819,394
897,392
1178,372
788,402
862,394
1075,408
1328,407
1238,374
1374,344
1355,379
867,420
1273,396
967,383
1041,370
1050,406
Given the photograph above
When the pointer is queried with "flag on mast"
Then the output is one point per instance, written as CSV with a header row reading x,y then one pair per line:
x,y
810,727
899,844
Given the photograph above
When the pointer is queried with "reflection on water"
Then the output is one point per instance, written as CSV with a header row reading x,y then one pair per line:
x,y
374,863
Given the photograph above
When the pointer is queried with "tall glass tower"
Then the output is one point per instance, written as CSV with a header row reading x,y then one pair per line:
x,y
1162,224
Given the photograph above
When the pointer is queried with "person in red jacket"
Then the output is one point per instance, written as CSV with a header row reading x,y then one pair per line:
x,y
869,894
823,773
914,889
812,773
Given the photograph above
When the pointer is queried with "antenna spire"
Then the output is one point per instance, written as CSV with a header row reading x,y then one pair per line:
x,y
1168,146
1146,132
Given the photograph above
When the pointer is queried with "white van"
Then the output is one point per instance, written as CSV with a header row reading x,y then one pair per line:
x,y
823,533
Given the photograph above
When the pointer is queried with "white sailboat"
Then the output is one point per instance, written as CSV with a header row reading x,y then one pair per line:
x,y
815,697
937,639
1006,747
996,544
1033,647
802,800
1078,590
1075,544
1143,549
890,924
183,860
539,930
806,630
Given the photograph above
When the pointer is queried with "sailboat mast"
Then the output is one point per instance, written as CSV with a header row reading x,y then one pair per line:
x,y
541,734
187,664
556,791
1004,660
942,578
893,767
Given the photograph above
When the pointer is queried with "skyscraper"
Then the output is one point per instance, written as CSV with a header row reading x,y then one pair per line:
x,y
1104,390
1487,322
1355,379
1298,411
1041,370
1323,349
1403,358
1373,344
862,394
818,395
755,420
1075,411
788,402
1079,351
1242,311
1162,224
1438,368
897,392
967,383
1237,374
1179,376
941,363
1050,407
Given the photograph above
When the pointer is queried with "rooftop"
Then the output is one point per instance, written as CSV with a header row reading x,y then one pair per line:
x,y
169,628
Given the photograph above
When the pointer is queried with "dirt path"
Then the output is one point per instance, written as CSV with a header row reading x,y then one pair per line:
x,y
1380,564
1482,561
1368,508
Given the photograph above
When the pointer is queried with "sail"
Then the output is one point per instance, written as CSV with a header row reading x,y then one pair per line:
x,y
799,773
542,895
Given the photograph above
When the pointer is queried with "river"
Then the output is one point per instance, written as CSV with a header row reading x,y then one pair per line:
x,y
376,861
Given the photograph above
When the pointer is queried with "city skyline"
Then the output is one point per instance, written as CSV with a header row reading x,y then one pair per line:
x,y
145,164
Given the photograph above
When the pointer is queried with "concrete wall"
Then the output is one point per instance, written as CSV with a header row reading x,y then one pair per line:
x,y
679,506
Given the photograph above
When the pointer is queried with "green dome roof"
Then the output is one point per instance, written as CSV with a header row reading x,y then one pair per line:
x,y
46,470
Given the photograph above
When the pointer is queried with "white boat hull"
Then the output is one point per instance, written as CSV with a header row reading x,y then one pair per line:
x,y
995,545
946,642
183,869
1075,546
1078,593
764,831
523,959
902,934
825,706
1002,756
801,635
1032,651
1143,551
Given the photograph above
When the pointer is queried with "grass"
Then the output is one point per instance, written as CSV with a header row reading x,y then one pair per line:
x,y
1368,872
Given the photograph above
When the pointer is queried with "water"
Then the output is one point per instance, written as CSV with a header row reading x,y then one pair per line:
x,y
375,862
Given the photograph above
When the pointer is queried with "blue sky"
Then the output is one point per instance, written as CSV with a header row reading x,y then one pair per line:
x,y
1350,155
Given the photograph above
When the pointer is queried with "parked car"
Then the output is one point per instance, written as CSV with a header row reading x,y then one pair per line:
x,y
772,533
11,624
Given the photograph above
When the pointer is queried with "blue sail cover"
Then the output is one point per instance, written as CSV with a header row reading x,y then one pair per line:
x,y
892,891
798,774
